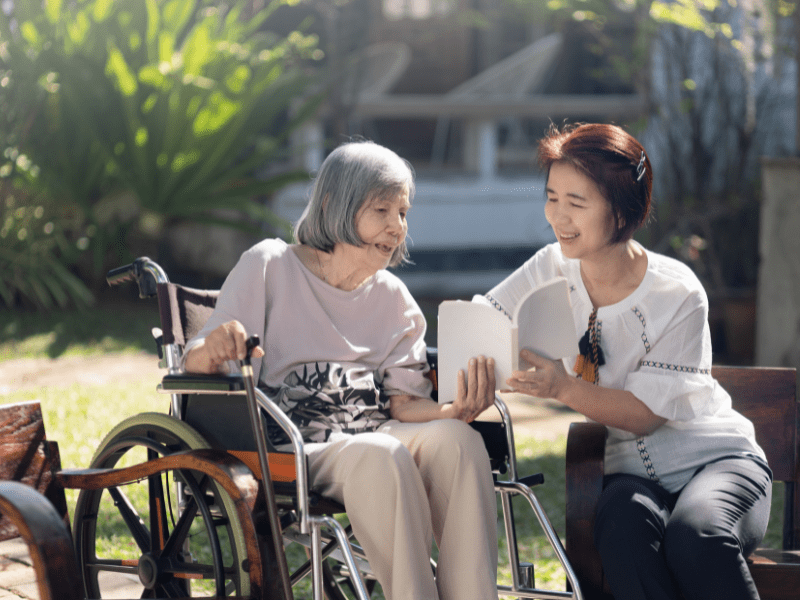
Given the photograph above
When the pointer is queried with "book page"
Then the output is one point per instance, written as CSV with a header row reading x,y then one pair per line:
x,y
466,330
545,321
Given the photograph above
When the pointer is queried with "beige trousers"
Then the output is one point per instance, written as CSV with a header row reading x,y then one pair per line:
x,y
409,483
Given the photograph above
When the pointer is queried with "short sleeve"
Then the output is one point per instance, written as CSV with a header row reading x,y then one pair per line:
x,y
243,298
539,268
674,378
406,365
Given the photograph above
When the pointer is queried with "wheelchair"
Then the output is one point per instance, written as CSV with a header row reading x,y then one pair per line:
x,y
180,534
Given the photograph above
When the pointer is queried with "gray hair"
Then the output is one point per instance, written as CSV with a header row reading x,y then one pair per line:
x,y
353,174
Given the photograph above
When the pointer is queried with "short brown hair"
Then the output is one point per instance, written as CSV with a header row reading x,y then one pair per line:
x,y
614,160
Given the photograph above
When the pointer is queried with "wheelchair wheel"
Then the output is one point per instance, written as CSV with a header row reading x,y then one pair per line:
x,y
138,533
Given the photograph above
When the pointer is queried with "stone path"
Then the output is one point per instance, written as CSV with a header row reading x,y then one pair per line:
x,y
541,419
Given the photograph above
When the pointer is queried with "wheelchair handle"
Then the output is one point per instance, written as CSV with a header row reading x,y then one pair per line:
x,y
120,275
145,272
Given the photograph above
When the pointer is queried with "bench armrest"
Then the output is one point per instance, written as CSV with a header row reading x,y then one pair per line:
x,y
232,475
49,542
584,482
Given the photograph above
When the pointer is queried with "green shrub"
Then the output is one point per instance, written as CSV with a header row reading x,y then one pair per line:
x,y
138,115
36,250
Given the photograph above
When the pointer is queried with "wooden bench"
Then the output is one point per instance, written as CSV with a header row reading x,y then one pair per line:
x,y
33,506
33,503
766,396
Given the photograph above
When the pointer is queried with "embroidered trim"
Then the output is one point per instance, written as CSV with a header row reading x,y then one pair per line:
x,y
640,316
645,456
671,367
496,304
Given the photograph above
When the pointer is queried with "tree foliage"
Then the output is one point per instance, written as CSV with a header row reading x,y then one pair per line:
x,y
710,71
140,114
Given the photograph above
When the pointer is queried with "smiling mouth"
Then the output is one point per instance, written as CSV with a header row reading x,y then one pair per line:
x,y
568,237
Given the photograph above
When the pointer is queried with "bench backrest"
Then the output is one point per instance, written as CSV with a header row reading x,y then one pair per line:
x,y
768,397
26,456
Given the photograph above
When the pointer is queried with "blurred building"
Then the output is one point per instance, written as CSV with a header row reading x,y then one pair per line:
x,y
463,89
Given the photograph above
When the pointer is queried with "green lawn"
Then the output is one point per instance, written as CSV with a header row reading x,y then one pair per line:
x,y
122,326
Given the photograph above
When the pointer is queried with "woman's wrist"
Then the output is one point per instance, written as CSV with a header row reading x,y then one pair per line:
x,y
449,411
199,361
566,388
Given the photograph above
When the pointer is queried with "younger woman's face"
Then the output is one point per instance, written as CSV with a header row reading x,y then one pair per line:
x,y
578,212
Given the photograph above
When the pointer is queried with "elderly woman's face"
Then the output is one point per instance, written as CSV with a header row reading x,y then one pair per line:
x,y
381,225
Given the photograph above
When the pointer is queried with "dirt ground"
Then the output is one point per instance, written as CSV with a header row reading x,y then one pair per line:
x,y
543,419
27,373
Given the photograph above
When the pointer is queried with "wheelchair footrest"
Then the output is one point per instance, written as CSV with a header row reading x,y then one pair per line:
x,y
532,480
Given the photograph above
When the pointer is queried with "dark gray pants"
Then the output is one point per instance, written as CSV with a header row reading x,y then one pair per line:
x,y
692,544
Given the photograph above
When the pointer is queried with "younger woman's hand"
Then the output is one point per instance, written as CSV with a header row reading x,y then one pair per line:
x,y
545,380
475,390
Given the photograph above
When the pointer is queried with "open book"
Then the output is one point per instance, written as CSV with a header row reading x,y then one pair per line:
x,y
542,322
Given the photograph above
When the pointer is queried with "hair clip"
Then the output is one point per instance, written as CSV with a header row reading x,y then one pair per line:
x,y
640,168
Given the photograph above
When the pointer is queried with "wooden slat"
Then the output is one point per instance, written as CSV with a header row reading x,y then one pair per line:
x,y
432,106
584,479
766,396
27,457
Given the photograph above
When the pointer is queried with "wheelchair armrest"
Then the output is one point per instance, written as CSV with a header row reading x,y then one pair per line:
x,y
192,383
584,482
495,440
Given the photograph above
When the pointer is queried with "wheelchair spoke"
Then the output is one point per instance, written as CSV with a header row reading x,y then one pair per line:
x,y
130,567
158,512
171,589
133,521
180,533
183,570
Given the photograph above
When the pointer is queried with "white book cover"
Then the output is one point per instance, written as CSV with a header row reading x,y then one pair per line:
x,y
542,322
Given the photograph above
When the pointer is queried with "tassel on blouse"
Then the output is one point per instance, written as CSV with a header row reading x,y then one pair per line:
x,y
587,365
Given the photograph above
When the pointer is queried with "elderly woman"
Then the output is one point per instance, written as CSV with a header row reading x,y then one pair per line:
x,y
687,489
344,356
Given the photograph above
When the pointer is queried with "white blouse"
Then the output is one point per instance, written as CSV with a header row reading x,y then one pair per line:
x,y
657,345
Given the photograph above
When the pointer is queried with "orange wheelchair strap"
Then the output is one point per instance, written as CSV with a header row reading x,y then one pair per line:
x,y
281,464
432,376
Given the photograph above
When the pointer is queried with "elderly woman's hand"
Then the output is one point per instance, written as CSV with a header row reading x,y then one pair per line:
x,y
475,390
545,380
226,342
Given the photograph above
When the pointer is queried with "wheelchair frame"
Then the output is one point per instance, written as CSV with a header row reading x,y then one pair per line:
x,y
148,275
